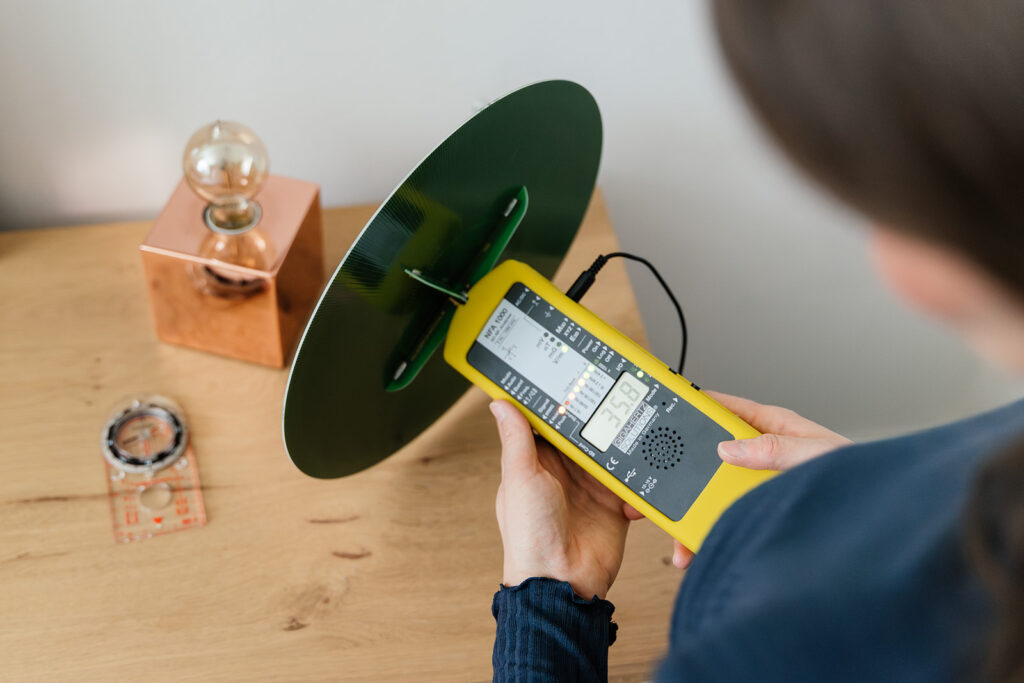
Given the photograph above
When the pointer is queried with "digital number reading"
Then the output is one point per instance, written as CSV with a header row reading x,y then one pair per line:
x,y
613,412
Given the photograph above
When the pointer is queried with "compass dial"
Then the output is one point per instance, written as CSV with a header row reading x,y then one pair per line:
x,y
146,435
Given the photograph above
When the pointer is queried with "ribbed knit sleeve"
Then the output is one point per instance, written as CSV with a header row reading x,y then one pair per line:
x,y
546,632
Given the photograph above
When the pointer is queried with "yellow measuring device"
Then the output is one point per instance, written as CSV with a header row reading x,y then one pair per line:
x,y
639,428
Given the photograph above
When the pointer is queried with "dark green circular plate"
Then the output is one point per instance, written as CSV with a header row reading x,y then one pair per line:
x,y
339,415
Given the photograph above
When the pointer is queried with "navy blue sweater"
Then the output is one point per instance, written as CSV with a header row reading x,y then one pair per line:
x,y
847,568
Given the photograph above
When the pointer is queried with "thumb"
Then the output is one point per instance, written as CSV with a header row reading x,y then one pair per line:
x,y
772,451
518,449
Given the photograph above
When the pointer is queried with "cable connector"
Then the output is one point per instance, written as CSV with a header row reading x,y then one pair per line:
x,y
586,278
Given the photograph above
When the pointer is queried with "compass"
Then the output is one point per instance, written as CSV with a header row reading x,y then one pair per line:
x,y
144,434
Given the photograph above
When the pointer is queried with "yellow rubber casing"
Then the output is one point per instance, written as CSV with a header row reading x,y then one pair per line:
x,y
726,485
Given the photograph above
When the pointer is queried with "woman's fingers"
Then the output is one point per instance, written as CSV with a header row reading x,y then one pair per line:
x,y
681,555
773,451
789,439
518,450
774,419
632,514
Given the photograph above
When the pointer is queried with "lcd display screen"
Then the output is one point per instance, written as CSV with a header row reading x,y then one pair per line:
x,y
613,412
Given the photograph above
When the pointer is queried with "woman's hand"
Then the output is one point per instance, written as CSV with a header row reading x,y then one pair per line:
x,y
556,520
786,441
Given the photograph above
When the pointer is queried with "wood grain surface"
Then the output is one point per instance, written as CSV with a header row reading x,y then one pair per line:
x,y
385,575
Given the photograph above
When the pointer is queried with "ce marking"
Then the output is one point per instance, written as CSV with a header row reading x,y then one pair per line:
x,y
610,465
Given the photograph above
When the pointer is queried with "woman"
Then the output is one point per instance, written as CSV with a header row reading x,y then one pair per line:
x,y
896,560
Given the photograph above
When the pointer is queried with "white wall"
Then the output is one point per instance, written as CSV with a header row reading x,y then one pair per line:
x,y
98,98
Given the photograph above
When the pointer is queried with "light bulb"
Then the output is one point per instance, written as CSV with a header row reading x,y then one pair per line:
x,y
249,250
226,164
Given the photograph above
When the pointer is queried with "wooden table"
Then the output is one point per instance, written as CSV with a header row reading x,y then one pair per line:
x,y
385,575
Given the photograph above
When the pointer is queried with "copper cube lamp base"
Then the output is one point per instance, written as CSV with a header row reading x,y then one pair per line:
x,y
254,314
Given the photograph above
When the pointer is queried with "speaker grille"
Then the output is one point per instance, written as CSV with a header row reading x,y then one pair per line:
x,y
662,448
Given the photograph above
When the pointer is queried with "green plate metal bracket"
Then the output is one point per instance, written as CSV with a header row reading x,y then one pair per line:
x,y
515,212
491,251
417,275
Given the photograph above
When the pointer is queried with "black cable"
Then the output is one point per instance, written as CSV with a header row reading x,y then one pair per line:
x,y
587,277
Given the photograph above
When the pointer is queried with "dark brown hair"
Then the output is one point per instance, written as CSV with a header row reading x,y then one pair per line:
x,y
913,113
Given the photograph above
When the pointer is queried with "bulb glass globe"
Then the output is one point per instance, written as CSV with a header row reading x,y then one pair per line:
x,y
226,164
